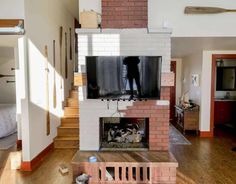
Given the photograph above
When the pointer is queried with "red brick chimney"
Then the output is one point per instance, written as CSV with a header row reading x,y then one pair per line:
x,y
124,13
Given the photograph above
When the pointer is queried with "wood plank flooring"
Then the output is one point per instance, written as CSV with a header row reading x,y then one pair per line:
x,y
206,161
46,173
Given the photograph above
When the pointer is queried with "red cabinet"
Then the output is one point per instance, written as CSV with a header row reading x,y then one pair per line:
x,y
224,111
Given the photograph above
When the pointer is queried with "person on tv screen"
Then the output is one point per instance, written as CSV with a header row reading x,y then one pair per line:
x,y
133,74
93,91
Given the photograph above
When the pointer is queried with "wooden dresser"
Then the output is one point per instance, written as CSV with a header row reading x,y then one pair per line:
x,y
187,119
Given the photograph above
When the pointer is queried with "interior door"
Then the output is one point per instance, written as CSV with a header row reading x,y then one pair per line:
x,y
173,94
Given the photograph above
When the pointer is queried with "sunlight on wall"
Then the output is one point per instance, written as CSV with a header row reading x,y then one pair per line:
x,y
21,93
36,77
37,81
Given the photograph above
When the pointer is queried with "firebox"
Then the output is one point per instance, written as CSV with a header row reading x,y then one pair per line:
x,y
124,133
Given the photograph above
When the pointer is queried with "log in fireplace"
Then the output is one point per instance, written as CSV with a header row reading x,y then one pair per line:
x,y
124,133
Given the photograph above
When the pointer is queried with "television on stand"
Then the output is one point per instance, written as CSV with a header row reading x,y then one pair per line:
x,y
123,77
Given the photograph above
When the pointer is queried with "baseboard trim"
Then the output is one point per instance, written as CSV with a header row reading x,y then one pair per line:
x,y
206,134
19,144
31,165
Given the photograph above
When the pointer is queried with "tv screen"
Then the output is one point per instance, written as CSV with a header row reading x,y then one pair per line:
x,y
123,77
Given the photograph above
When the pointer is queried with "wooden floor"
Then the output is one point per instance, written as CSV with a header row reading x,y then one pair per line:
x,y
206,161
46,173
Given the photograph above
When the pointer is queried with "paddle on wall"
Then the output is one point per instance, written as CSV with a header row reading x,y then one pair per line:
x,y
206,10
66,60
54,76
70,45
60,42
47,90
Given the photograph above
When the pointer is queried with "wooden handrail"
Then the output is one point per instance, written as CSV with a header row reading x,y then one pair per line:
x,y
10,22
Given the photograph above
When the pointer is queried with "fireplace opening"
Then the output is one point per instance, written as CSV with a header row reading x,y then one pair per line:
x,y
124,133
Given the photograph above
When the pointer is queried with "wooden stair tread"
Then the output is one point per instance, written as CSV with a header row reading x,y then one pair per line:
x,y
72,116
72,108
74,99
68,131
62,138
67,127
67,118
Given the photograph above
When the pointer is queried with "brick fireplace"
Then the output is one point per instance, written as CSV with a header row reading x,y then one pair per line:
x,y
125,42
124,134
141,124
124,33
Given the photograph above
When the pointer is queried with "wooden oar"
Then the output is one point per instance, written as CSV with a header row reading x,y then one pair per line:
x,y
66,59
206,10
54,80
47,91
60,42
1,75
70,45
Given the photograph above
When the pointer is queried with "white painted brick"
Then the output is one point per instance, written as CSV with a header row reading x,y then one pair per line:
x,y
163,102
114,43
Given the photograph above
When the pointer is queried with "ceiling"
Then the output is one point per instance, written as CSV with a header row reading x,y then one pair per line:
x,y
72,6
183,46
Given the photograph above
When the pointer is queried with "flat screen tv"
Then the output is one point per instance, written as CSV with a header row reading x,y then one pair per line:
x,y
123,77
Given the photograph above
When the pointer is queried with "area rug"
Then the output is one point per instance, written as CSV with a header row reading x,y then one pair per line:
x,y
7,142
176,137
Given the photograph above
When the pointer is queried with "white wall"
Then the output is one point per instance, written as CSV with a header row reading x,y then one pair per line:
x,y
8,91
192,64
12,9
206,87
172,12
42,21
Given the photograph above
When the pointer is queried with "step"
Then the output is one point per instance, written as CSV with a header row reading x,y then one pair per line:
x,y
72,102
67,131
71,111
66,142
74,94
75,88
72,116
69,122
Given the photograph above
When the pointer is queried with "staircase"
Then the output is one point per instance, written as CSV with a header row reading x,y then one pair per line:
x,y
68,131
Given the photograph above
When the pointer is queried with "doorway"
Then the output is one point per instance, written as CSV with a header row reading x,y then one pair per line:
x,y
223,104
173,94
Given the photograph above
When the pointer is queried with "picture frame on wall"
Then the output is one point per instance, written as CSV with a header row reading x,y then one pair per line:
x,y
195,80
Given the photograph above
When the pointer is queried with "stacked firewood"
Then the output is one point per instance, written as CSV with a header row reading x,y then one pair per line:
x,y
130,134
